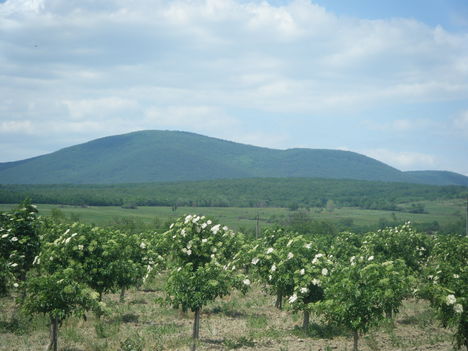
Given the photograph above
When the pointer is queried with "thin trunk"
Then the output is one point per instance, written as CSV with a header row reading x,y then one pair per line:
x,y
305,322
53,336
122,294
356,340
279,301
196,329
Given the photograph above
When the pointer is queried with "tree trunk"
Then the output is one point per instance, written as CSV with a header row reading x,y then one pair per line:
x,y
279,301
356,340
53,344
122,294
305,322
196,329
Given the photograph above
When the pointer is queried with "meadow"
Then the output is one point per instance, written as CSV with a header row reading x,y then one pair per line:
x,y
444,212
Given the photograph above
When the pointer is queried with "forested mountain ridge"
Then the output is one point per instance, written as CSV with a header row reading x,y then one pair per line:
x,y
161,156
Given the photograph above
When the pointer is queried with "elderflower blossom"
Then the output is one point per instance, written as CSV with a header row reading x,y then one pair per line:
x,y
204,240
290,255
14,238
270,277
370,258
308,246
324,271
15,285
246,282
302,271
315,282
293,298
456,276
458,308
269,250
142,245
5,235
304,290
273,268
451,299
255,260
215,229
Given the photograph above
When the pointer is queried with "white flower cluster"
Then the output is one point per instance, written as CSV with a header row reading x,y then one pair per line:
x,y
293,298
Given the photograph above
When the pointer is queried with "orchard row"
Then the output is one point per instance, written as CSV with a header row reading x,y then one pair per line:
x,y
351,280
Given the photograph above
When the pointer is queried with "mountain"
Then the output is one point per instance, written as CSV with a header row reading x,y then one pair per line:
x,y
155,156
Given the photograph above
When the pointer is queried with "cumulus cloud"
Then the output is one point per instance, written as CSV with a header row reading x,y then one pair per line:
x,y
404,160
92,67
461,122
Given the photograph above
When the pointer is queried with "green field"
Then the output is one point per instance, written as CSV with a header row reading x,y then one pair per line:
x,y
445,212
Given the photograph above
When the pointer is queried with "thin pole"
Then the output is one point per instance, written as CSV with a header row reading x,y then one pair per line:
x,y
466,220
257,229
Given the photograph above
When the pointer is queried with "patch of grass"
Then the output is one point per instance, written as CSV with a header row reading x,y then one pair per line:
x,y
237,343
257,321
227,308
134,342
129,318
105,329
164,329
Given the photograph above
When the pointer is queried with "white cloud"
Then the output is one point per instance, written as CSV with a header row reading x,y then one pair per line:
x,y
199,118
86,67
404,160
461,122
25,127
97,108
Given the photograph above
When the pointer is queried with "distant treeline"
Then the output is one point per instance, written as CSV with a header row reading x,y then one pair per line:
x,y
259,192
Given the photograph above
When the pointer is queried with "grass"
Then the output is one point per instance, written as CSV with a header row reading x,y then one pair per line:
x,y
247,322
241,218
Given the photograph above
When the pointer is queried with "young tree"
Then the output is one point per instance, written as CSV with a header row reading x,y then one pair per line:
x,y
359,292
445,284
58,288
203,264
19,239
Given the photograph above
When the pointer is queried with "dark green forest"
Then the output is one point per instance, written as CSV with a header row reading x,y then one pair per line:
x,y
259,192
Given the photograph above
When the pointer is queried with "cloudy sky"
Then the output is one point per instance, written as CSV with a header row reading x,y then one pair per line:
x,y
385,78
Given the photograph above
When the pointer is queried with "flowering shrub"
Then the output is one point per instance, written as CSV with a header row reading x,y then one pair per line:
x,y
276,257
309,283
204,263
357,293
445,281
5,277
19,239
399,242
344,246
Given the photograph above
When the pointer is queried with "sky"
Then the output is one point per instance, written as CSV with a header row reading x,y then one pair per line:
x,y
387,78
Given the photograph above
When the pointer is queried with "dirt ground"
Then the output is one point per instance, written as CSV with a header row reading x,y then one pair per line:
x,y
236,322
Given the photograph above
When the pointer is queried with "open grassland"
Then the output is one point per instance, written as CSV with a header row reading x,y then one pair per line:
x,y
444,212
242,322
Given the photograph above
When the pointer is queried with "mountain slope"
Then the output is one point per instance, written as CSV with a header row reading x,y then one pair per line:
x,y
154,156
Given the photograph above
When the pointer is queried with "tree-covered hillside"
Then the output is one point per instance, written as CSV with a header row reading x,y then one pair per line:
x,y
162,156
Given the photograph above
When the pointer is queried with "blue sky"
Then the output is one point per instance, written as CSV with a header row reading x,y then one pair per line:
x,y
388,79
